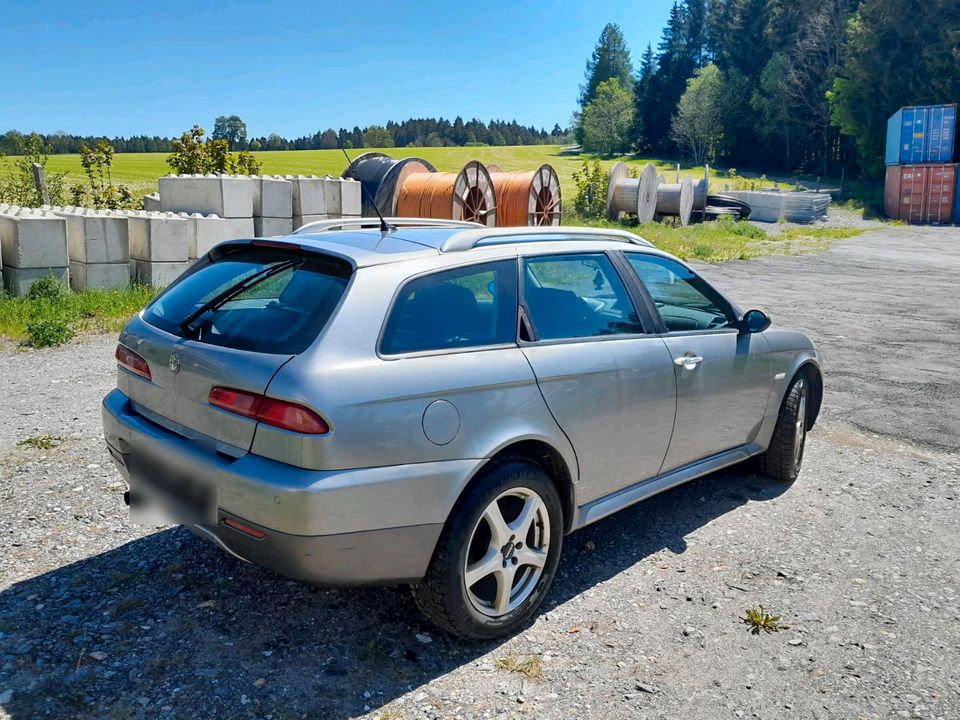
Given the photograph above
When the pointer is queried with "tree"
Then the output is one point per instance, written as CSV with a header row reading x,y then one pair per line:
x,y
610,59
607,119
232,129
644,100
698,124
898,53
377,136
328,140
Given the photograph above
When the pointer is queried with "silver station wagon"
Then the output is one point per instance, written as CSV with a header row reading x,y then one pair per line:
x,y
440,403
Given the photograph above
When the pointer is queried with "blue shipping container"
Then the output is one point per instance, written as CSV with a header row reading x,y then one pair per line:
x,y
921,134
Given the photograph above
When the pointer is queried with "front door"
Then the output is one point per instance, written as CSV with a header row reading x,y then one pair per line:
x,y
723,376
610,387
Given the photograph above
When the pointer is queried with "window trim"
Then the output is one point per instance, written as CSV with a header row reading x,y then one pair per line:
x,y
648,298
647,325
443,351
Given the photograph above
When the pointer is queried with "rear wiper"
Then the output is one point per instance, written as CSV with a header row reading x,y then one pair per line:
x,y
188,325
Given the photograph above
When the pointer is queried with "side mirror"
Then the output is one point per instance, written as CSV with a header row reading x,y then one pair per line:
x,y
754,321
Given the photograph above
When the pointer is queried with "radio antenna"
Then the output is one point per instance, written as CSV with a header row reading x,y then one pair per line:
x,y
385,227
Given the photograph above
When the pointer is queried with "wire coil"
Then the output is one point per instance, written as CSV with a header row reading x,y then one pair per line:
x,y
528,198
382,177
466,195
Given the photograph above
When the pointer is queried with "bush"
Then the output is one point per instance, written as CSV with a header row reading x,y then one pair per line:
x,y
48,333
48,287
193,155
590,200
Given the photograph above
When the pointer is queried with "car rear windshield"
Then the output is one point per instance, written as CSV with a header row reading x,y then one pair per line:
x,y
288,299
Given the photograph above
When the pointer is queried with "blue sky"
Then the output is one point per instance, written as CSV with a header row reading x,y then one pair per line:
x,y
124,68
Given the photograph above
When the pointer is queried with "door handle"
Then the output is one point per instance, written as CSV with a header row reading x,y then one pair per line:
x,y
688,362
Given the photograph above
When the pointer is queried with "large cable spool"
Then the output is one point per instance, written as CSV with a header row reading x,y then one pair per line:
x,y
466,195
382,177
527,198
676,199
632,195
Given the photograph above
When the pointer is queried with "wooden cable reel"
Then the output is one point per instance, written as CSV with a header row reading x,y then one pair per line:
x,y
632,195
466,195
382,177
676,199
528,198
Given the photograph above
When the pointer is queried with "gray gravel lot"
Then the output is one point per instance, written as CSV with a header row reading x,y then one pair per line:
x,y
860,557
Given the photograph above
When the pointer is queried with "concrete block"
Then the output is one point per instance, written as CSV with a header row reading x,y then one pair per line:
x,y
272,197
151,202
157,237
33,239
350,196
17,281
270,227
332,196
229,196
157,274
308,195
95,236
99,275
300,220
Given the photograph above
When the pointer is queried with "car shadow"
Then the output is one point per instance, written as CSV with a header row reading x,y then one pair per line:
x,y
168,624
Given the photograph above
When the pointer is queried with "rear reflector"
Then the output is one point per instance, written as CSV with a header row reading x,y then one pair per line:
x,y
246,529
270,411
129,360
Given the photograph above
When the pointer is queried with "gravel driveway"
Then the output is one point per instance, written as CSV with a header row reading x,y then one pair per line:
x,y
860,557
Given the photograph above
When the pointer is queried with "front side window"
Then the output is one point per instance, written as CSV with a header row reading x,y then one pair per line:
x,y
462,308
577,296
684,299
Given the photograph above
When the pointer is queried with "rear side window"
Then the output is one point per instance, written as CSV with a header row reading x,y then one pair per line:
x,y
281,314
462,308
577,296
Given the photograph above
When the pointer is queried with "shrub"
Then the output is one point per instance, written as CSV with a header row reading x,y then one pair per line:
x,y
17,185
193,155
48,333
590,199
49,287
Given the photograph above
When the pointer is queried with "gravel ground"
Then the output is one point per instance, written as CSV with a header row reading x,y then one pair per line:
x,y
859,557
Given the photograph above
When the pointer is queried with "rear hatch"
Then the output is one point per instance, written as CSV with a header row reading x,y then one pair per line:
x,y
253,307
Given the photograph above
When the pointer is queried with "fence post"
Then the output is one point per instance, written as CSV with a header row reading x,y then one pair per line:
x,y
40,180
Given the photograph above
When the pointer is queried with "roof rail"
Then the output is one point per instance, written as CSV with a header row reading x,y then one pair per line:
x,y
468,239
372,222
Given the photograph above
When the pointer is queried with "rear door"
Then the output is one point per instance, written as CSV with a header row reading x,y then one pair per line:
x,y
723,376
240,345
609,385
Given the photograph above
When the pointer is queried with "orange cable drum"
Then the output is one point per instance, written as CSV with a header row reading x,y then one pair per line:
x,y
466,195
527,198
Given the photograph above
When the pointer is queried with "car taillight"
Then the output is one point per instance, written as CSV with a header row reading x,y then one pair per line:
x,y
270,411
129,360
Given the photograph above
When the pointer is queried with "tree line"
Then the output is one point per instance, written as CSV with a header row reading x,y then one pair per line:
x,y
795,85
425,132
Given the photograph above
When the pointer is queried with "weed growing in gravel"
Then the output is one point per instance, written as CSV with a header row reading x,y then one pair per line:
x,y
759,619
42,442
373,652
531,667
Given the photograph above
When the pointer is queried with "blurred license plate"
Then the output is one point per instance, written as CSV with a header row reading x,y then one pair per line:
x,y
164,490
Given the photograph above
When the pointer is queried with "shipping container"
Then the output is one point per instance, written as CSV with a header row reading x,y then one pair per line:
x,y
922,134
922,194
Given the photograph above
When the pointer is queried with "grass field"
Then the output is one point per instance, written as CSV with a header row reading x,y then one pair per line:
x,y
140,170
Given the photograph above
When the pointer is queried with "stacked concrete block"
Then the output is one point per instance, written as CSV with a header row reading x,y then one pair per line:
x,y
317,198
272,206
99,247
151,202
227,196
158,247
206,231
33,243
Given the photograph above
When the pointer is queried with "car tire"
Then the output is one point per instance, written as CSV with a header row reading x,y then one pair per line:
x,y
505,534
784,455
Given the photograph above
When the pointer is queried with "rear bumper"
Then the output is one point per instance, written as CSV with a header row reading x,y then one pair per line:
x,y
362,526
